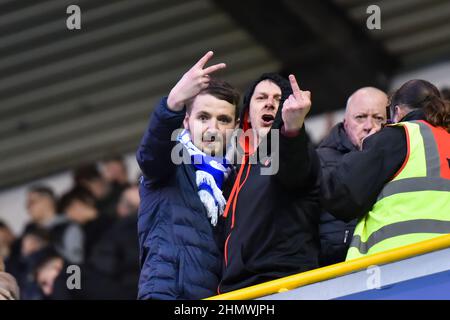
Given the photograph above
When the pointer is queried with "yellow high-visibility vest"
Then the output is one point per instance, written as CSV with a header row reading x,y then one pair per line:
x,y
415,205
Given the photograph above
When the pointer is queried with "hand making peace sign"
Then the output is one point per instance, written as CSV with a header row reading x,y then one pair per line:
x,y
295,107
192,82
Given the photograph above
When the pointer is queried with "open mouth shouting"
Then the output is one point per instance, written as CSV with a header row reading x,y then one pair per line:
x,y
267,119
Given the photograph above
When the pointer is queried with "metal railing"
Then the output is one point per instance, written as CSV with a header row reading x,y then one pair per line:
x,y
336,270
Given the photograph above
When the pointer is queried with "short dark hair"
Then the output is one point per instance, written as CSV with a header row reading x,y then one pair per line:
x,y
77,193
43,256
86,172
37,231
222,90
43,190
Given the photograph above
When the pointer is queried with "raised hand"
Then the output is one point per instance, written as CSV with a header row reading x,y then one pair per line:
x,y
192,82
295,107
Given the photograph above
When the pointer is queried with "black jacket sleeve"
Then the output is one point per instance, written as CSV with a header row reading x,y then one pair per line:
x,y
298,161
154,152
351,189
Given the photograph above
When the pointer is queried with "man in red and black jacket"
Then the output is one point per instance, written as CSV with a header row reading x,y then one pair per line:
x,y
272,213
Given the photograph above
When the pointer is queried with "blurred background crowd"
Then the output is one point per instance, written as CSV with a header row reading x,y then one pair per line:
x,y
92,226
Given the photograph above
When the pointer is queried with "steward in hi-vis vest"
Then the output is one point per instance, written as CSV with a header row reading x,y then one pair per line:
x,y
398,185
415,205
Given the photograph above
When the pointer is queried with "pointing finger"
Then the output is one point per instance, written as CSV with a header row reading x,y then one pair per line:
x,y
294,85
201,63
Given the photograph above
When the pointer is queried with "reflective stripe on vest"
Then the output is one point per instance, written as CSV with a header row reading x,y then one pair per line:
x,y
415,204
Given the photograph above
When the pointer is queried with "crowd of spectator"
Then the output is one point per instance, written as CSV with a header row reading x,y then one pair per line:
x,y
92,227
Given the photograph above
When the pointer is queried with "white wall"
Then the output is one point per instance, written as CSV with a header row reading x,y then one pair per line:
x,y
318,126
438,74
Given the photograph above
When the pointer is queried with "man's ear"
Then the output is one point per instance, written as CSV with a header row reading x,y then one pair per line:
x,y
344,124
186,122
398,113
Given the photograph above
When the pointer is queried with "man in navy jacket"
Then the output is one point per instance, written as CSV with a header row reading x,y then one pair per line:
x,y
181,200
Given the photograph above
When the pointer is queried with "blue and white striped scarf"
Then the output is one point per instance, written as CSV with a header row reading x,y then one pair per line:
x,y
210,175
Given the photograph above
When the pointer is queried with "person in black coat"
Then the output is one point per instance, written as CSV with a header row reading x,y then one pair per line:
x,y
22,264
364,115
112,270
272,214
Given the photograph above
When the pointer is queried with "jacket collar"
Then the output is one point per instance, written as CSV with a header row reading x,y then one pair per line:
x,y
338,139
417,114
